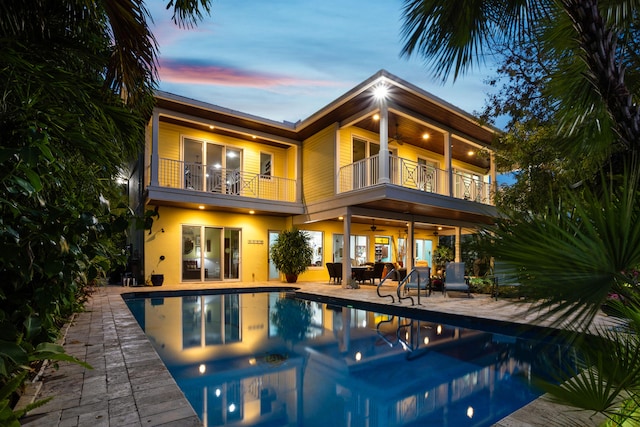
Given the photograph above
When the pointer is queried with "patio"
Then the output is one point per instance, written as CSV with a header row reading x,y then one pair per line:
x,y
129,385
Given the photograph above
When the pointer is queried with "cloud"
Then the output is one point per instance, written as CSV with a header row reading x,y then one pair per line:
x,y
200,72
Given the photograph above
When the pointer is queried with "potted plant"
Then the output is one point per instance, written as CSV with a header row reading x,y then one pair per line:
x,y
441,256
155,279
291,253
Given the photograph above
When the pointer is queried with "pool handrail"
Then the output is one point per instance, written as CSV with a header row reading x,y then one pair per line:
x,y
389,274
419,281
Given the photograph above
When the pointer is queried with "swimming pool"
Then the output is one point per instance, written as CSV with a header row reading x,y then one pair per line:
x,y
271,359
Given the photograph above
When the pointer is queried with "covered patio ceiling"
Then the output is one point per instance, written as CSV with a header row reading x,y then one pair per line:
x,y
403,130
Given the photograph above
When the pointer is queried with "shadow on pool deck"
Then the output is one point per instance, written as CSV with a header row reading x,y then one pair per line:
x,y
130,386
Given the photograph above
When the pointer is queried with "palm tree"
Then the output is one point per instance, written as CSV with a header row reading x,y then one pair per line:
x,y
76,92
593,45
586,244
569,260
120,27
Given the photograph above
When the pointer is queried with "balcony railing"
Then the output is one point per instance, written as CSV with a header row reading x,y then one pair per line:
x,y
406,173
198,177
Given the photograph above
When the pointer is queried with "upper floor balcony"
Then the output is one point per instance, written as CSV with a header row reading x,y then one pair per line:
x,y
410,174
217,180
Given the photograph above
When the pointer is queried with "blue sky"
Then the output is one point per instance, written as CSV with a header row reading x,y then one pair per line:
x,y
286,59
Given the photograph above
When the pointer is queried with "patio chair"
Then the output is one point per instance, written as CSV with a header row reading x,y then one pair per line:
x,y
455,280
375,273
419,278
335,271
330,271
503,275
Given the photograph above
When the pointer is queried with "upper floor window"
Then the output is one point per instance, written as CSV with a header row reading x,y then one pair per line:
x,y
363,148
266,160
211,166
211,155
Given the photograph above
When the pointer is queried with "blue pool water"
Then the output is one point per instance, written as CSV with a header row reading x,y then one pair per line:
x,y
270,359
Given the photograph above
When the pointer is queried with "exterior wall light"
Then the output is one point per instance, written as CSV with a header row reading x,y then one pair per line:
x,y
381,91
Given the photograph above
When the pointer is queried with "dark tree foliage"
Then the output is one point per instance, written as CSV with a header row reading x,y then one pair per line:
x,y
76,92
571,237
531,148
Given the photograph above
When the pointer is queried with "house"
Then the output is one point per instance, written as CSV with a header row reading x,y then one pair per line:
x,y
387,164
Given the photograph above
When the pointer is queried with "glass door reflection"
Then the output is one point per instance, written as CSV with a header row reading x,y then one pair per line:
x,y
210,320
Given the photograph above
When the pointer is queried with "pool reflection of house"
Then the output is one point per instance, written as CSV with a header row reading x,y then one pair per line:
x,y
392,172
371,368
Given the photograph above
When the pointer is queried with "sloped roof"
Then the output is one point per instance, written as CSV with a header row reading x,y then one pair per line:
x,y
404,98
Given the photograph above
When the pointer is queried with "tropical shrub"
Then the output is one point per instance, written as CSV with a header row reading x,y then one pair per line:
x,y
291,318
291,253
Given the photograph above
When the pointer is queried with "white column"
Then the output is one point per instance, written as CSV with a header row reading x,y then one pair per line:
x,y
411,247
383,157
458,250
494,177
346,239
447,165
155,162
298,170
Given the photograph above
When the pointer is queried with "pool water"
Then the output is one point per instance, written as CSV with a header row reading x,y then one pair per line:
x,y
270,359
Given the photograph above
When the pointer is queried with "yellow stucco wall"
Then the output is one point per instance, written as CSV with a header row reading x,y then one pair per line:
x,y
170,143
318,166
254,261
254,243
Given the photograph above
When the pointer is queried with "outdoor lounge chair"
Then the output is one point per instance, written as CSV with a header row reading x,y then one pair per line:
x,y
503,275
419,278
455,279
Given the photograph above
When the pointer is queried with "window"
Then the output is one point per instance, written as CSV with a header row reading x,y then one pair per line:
x,y
365,170
211,167
359,249
423,250
266,160
363,148
315,241
210,252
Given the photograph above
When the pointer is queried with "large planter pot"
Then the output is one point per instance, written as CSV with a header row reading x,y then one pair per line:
x,y
157,279
291,278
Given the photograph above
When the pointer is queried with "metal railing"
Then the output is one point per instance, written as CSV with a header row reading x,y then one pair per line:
x,y
198,177
407,173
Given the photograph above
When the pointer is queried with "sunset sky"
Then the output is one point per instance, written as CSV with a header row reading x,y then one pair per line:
x,y
286,59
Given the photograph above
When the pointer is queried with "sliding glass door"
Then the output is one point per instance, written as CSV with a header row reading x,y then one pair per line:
x,y
210,253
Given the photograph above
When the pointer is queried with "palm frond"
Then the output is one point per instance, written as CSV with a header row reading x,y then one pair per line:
x,y
187,13
453,36
572,257
132,67
607,379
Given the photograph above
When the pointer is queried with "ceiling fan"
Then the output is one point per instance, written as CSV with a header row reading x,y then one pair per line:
x,y
396,137
373,226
